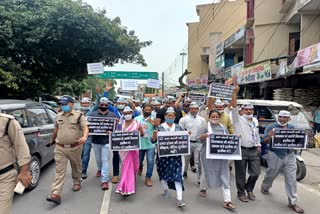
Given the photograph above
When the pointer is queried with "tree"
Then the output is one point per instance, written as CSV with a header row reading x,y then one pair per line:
x,y
44,43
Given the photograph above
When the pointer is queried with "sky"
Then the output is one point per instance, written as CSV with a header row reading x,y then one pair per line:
x,y
163,22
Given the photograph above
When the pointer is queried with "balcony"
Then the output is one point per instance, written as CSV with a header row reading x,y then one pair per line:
x,y
205,54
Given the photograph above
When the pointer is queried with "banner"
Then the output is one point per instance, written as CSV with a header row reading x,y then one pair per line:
x,y
129,85
197,83
101,125
308,55
151,83
289,139
255,73
198,98
218,90
225,147
95,68
124,141
173,143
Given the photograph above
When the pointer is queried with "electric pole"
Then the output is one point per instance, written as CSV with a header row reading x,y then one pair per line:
x,y
162,85
183,54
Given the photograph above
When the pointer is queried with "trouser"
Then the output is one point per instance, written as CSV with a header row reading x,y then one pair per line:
x,y
150,160
195,150
86,155
289,167
317,127
7,185
61,157
115,163
102,154
250,160
178,186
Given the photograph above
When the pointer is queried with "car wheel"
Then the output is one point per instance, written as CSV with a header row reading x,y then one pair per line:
x,y
35,172
301,170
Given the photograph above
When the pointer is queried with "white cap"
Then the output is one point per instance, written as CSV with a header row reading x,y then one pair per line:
x,y
194,105
247,106
104,100
170,109
155,103
284,113
219,103
85,100
127,109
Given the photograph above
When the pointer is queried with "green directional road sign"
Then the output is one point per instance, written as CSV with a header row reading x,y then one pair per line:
x,y
141,75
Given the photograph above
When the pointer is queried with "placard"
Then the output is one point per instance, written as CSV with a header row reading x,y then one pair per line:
x,y
173,143
218,90
223,147
129,85
289,139
151,83
95,68
198,98
124,141
101,125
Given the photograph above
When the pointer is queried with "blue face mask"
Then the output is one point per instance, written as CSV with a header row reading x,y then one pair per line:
x,y
65,108
169,120
85,108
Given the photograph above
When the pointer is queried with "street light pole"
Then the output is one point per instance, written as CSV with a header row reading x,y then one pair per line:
x,y
183,54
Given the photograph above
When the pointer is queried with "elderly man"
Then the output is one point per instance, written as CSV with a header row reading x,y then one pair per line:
x,y
170,102
281,160
246,127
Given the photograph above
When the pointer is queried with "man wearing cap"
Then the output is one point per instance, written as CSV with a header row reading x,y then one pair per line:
x,y
161,113
156,107
100,144
281,160
196,125
250,149
70,133
13,149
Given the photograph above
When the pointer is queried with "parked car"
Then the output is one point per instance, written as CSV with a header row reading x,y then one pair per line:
x,y
37,122
266,111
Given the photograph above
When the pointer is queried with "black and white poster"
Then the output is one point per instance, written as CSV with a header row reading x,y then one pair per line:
x,y
124,141
223,146
198,98
289,139
218,90
173,143
101,125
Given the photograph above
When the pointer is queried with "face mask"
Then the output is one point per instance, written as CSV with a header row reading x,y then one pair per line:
x,y
85,108
103,108
248,117
186,111
169,120
220,111
146,114
65,108
282,124
128,117
214,121
120,107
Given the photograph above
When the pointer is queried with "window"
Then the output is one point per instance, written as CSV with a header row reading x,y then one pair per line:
x,y
52,114
38,116
20,115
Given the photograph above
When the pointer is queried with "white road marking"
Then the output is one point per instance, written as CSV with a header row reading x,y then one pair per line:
x,y
106,200
309,189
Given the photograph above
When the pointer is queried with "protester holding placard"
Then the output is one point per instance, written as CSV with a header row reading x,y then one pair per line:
x,y
100,144
246,127
147,148
129,159
281,160
170,167
214,173
170,102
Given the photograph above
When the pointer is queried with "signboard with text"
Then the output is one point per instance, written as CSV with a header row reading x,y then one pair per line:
x,y
129,85
101,125
218,90
255,73
141,75
173,143
124,141
289,139
151,83
225,147
95,68
198,98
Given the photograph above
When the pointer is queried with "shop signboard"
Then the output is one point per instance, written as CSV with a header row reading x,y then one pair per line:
x,y
308,55
220,62
219,49
197,83
256,73
234,37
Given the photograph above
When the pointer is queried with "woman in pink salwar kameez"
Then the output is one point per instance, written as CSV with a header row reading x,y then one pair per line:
x,y
129,159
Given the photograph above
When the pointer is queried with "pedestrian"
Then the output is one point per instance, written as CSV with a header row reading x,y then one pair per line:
x,y
281,160
196,125
70,133
100,144
170,168
13,149
246,127
147,148
156,105
170,102
129,159
317,120
215,173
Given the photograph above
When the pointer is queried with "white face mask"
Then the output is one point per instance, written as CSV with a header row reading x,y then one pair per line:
x,y
282,124
248,117
128,117
214,121
221,111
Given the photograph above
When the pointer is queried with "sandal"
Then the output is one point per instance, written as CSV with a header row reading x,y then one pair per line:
x,y
251,196
296,208
228,205
203,193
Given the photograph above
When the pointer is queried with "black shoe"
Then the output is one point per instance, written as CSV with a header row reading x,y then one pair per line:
x,y
194,170
84,176
185,174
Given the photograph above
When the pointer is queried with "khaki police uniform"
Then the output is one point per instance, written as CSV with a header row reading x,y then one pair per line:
x,y
13,149
69,130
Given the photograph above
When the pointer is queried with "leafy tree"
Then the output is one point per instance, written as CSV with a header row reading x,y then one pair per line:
x,y
44,43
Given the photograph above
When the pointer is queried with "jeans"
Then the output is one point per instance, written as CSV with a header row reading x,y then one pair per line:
x,y
86,155
102,153
115,163
150,160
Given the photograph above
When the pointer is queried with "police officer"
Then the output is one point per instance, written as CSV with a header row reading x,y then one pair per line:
x,y
13,148
70,133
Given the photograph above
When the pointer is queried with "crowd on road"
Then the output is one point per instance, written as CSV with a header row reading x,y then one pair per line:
x,y
74,143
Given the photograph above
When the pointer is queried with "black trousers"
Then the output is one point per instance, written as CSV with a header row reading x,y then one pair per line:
x,y
250,160
115,163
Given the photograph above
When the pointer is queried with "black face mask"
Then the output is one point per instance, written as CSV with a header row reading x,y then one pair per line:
x,y
103,108
146,114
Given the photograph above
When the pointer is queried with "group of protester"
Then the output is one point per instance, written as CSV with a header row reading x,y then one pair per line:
x,y
217,117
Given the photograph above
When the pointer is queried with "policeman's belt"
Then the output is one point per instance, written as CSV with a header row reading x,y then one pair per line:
x,y
6,169
67,146
248,148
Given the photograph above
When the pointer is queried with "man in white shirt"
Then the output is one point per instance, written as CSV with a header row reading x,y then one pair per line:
x,y
246,127
196,125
